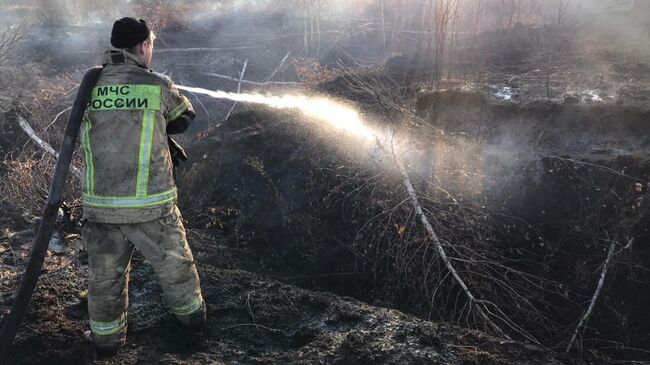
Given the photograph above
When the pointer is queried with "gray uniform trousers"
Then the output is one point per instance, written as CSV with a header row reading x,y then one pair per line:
x,y
164,246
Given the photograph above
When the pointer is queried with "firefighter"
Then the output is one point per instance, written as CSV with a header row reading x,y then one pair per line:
x,y
129,193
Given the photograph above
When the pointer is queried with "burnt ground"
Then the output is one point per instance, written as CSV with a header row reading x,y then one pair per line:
x,y
253,319
277,212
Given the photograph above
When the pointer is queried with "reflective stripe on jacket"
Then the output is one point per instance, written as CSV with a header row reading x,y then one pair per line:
x,y
128,168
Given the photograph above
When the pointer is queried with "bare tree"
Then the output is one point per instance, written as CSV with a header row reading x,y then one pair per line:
x,y
563,6
312,36
382,17
306,25
445,15
316,19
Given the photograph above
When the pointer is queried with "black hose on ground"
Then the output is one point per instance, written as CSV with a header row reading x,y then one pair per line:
x,y
11,323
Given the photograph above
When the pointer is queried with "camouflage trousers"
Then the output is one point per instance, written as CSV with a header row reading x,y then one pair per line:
x,y
164,246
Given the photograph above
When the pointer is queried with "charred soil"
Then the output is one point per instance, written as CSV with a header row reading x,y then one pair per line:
x,y
252,319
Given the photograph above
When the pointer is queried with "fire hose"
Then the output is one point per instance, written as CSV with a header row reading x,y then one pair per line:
x,y
12,321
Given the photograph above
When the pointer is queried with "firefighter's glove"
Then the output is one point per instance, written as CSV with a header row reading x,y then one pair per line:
x,y
176,151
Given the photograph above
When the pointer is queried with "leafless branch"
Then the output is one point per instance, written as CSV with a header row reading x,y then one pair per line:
x,y
201,49
57,118
480,310
42,144
585,317
241,76
10,38
226,77
278,68
257,326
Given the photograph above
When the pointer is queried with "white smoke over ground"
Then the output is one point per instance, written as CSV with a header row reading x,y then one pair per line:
x,y
344,17
626,19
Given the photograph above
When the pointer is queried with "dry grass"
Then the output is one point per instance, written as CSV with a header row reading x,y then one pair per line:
x,y
44,103
310,71
161,14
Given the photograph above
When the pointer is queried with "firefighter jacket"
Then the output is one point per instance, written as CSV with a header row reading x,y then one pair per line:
x,y
128,168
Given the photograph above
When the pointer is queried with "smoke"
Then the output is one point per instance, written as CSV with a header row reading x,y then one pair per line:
x,y
332,23
351,30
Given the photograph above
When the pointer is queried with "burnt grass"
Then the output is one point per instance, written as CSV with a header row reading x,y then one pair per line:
x,y
253,319
247,180
308,253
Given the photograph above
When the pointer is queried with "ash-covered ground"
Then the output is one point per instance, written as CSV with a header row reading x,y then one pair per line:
x,y
253,319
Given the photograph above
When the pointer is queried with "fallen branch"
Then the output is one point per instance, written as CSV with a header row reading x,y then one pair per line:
x,y
441,251
279,67
57,118
252,82
585,317
257,326
170,50
42,144
585,163
241,77
199,101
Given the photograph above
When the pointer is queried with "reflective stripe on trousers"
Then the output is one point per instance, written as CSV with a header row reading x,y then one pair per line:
x,y
163,244
108,328
190,308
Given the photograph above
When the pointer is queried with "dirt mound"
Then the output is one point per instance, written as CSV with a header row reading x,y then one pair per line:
x,y
258,177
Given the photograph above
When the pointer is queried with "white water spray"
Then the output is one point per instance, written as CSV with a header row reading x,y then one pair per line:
x,y
320,108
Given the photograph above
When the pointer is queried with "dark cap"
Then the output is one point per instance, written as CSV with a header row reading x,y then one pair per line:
x,y
129,32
